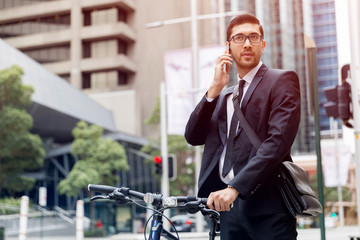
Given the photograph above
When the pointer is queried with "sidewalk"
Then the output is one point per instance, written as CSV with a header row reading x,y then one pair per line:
x,y
304,234
339,233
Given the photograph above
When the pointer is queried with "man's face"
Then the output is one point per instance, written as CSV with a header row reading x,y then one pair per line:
x,y
246,55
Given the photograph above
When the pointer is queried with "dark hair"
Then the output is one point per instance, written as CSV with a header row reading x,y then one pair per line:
x,y
242,19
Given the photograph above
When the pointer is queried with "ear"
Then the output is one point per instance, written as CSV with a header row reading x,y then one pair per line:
x,y
263,45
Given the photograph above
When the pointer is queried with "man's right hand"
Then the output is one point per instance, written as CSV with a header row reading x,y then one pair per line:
x,y
222,200
221,78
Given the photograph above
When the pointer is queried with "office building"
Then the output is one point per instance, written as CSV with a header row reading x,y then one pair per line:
x,y
87,43
324,35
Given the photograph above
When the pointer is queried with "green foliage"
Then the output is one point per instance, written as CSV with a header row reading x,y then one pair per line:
x,y
185,181
99,159
12,92
97,232
330,193
20,150
10,205
155,114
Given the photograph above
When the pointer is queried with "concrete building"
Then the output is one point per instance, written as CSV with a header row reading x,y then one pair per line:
x,y
84,42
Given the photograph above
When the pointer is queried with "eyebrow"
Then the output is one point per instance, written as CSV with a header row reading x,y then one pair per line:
x,y
245,35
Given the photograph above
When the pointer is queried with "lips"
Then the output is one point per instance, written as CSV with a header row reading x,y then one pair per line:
x,y
247,54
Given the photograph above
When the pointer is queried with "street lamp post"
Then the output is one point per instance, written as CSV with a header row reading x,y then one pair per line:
x,y
194,45
354,18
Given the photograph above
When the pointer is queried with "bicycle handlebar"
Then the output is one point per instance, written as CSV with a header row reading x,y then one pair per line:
x,y
191,204
101,188
147,197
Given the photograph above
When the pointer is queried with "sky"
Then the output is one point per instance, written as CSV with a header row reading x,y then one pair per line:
x,y
343,31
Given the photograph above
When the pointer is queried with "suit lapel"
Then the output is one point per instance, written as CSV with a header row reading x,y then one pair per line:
x,y
222,116
258,77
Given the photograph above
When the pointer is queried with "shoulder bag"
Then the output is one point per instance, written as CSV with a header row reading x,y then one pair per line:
x,y
292,180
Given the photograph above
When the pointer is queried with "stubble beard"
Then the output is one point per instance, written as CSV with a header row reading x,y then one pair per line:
x,y
246,65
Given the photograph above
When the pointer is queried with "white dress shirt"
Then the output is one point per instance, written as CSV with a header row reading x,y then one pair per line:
x,y
230,111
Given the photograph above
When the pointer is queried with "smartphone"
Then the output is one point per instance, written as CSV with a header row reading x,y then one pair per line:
x,y
227,51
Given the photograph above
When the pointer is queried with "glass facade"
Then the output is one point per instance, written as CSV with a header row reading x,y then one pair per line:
x,y
324,34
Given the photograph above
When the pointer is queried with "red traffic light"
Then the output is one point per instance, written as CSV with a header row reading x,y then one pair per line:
x,y
157,159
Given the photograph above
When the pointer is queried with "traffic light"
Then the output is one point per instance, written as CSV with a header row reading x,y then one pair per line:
x,y
331,105
338,105
172,167
339,97
158,165
344,101
172,164
345,94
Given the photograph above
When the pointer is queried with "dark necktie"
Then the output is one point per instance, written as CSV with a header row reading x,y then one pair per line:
x,y
229,158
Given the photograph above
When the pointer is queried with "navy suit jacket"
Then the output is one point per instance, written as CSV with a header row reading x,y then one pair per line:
x,y
272,107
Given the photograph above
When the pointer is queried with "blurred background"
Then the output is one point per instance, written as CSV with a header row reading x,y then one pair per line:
x,y
96,66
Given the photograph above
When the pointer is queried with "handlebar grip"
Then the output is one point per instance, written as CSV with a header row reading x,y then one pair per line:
x,y
186,199
203,201
101,188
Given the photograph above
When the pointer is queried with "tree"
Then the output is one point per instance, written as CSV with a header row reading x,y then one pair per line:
x,y
20,150
177,144
330,193
98,160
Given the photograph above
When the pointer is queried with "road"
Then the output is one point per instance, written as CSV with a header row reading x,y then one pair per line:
x,y
304,234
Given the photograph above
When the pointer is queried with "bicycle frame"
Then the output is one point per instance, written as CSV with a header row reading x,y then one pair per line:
x,y
157,229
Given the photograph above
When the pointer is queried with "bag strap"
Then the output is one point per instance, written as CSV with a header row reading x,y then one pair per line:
x,y
254,139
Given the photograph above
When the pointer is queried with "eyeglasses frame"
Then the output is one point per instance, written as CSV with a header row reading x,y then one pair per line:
x,y
246,37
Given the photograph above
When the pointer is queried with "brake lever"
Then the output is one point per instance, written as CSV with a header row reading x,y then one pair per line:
x,y
119,197
193,207
212,213
99,197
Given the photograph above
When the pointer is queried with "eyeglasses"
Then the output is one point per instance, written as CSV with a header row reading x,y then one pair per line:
x,y
240,38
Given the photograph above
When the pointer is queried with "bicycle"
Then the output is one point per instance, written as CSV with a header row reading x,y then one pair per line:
x,y
191,204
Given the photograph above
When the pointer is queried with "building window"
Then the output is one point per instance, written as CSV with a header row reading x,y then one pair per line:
x,y
86,80
122,46
86,49
122,78
121,15
33,26
87,18
50,54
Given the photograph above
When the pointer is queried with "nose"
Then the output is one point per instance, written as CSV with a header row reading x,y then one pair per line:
x,y
247,43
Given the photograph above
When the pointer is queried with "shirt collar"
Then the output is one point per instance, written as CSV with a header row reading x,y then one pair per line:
x,y
251,74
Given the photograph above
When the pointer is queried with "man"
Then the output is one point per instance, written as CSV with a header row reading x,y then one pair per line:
x,y
271,104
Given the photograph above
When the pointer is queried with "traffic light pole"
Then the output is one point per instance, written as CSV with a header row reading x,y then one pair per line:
x,y
313,84
354,18
318,146
164,149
